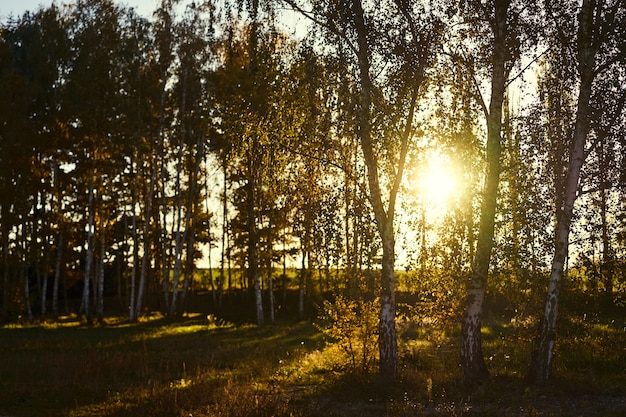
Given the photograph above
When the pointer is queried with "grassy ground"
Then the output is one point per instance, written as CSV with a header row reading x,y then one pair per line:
x,y
202,366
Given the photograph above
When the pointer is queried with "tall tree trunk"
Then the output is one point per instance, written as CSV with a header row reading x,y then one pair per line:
x,y
224,232
606,264
284,275
44,274
254,170
270,291
191,220
254,277
29,311
302,284
100,305
5,261
180,238
542,354
57,274
474,368
132,313
24,270
387,340
88,256
179,241
270,275
146,241
165,264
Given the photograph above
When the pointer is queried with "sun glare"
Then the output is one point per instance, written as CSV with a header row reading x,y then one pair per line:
x,y
438,182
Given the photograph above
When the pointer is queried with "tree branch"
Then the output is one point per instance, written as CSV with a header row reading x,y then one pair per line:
x,y
328,25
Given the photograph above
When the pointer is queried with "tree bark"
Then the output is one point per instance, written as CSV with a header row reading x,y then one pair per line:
x,y
89,256
542,354
44,282
57,275
146,242
132,313
474,368
220,288
190,223
100,306
254,277
387,341
302,283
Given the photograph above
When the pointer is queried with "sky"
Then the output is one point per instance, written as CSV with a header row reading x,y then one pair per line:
x,y
18,7
294,22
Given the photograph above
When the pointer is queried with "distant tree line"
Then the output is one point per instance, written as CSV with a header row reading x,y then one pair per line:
x,y
128,144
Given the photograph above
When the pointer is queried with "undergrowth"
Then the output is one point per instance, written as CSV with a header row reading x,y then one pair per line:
x,y
205,367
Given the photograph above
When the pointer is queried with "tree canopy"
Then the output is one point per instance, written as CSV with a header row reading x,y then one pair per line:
x,y
468,154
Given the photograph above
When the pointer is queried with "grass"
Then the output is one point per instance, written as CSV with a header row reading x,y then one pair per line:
x,y
200,366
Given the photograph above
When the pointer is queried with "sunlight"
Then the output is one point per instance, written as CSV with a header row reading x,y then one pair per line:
x,y
438,182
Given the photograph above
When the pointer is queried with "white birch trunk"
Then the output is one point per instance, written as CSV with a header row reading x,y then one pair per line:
x,y
474,368
89,256
387,339
542,355
132,313
146,241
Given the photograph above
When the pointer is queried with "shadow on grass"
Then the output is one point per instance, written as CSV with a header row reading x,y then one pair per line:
x,y
151,368
206,367
589,378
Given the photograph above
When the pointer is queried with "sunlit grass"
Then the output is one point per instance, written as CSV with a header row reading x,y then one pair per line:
x,y
202,366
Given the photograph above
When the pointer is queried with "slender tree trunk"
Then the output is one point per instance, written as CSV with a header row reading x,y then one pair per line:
x,y
284,276
132,314
165,263
178,250
89,256
57,275
229,264
5,261
270,280
180,238
542,354
474,368
24,271
606,264
146,241
253,257
387,340
190,225
387,344
224,232
211,276
270,290
100,309
29,311
44,274
302,284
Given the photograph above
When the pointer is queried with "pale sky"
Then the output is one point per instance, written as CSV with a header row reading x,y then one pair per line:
x,y
18,7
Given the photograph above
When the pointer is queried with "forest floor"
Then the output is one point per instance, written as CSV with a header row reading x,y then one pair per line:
x,y
202,365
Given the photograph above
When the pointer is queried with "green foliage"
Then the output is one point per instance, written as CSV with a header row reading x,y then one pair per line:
x,y
436,295
353,325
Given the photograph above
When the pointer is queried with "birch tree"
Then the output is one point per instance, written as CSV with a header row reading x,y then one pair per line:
x,y
365,31
503,23
600,48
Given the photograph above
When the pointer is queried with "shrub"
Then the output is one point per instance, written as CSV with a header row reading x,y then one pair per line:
x,y
353,324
